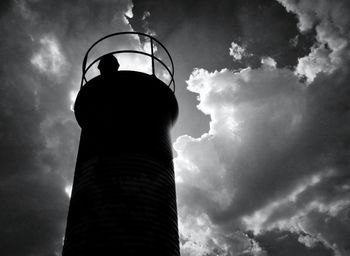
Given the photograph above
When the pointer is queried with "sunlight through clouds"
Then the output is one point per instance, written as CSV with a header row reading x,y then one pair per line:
x,y
68,190
261,170
252,111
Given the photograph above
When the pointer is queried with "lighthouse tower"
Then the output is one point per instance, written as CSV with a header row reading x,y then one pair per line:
x,y
123,198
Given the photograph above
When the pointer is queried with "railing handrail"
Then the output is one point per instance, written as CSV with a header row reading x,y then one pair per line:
x,y
170,71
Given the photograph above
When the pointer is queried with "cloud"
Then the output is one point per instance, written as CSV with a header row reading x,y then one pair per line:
x,y
285,243
254,115
332,24
272,159
49,59
236,51
269,62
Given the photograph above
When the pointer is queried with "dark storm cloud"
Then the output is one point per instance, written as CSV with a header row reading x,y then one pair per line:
x,y
207,28
335,230
33,214
41,50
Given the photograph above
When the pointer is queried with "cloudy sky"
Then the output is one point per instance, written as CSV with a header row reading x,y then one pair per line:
x,y
262,143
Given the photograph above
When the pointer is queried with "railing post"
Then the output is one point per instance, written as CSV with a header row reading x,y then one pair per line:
x,y
152,56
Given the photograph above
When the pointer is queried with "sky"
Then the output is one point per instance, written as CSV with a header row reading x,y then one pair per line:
x,y
262,142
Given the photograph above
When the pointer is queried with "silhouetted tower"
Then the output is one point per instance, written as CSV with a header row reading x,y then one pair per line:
x,y
123,198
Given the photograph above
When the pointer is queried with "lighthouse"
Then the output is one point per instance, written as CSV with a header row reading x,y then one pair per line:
x,y
123,199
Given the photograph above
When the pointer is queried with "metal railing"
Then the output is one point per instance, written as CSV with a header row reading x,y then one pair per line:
x,y
170,70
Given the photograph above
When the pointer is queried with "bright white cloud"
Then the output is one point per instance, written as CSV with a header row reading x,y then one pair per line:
x,y
236,51
128,13
49,59
332,23
316,62
269,62
308,240
254,115
262,165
